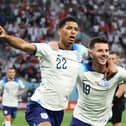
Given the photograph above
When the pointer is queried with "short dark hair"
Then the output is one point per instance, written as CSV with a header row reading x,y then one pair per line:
x,y
97,40
11,68
114,52
66,19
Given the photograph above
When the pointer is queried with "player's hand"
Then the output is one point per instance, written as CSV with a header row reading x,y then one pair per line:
x,y
2,32
54,45
110,69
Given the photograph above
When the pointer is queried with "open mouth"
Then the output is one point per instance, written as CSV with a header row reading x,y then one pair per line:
x,y
72,38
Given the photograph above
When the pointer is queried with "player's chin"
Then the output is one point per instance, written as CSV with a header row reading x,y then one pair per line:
x,y
71,42
103,62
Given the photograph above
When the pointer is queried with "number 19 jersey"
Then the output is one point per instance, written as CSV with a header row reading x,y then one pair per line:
x,y
95,95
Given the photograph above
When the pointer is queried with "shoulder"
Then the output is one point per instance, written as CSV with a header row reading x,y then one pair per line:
x,y
4,81
79,47
18,80
83,51
121,72
41,45
42,48
120,69
85,67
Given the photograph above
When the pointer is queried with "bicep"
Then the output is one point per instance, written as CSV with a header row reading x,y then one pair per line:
x,y
29,48
120,90
122,87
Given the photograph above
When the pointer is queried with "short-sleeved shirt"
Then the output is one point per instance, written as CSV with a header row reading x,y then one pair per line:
x,y
59,70
95,95
10,91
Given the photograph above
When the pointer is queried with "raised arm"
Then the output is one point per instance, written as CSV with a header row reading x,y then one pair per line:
x,y
16,42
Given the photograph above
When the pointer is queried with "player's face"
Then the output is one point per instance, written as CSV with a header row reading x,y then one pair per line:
x,y
100,53
11,74
114,58
68,33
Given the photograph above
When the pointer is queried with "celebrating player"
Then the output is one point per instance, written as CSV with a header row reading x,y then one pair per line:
x,y
96,86
59,72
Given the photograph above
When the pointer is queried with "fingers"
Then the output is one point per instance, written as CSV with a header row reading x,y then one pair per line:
x,y
1,30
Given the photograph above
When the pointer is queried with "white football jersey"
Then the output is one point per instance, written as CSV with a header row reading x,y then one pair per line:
x,y
10,91
59,70
95,95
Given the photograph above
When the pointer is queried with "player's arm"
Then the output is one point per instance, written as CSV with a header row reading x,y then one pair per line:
x,y
121,90
110,70
20,92
1,91
21,88
17,42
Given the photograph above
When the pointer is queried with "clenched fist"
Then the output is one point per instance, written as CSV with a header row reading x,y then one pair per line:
x,y
2,32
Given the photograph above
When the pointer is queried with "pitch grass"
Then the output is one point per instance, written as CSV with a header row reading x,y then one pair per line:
x,y
68,115
20,120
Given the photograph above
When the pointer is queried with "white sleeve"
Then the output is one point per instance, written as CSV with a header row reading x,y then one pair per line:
x,y
1,87
42,49
21,85
122,75
84,51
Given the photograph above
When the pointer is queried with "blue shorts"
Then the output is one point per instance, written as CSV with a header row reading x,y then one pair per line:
x,y
36,114
76,122
9,111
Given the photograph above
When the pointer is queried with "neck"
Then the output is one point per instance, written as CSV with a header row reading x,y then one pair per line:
x,y
99,68
63,46
10,79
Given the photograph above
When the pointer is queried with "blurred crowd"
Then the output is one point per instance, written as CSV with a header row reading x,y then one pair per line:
x,y
36,20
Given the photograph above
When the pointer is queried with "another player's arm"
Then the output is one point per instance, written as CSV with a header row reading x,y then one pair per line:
x,y
1,91
121,90
16,42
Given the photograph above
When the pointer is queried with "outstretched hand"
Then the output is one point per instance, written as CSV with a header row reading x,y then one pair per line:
x,y
2,32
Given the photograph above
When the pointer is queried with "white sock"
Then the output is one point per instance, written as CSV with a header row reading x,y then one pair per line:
x,y
7,123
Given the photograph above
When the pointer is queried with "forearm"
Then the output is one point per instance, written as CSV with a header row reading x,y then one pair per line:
x,y
120,90
19,44
20,92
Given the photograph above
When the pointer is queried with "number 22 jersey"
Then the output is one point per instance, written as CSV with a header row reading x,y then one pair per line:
x,y
59,70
